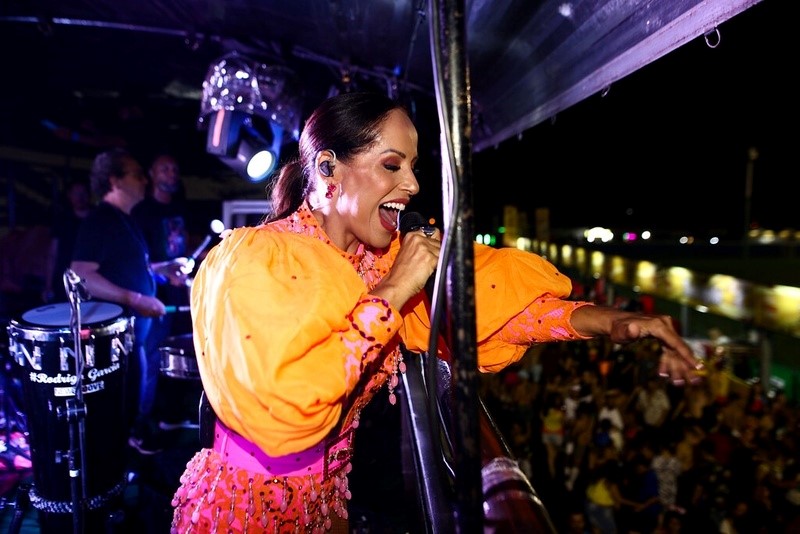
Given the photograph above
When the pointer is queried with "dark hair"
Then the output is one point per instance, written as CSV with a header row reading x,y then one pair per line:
x,y
105,165
348,124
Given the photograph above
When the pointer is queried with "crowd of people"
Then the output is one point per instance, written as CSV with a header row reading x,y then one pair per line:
x,y
611,446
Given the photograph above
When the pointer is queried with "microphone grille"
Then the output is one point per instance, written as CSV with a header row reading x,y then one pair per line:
x,y
411,221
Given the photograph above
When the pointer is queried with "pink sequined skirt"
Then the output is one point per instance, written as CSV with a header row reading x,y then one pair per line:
x,y
235,487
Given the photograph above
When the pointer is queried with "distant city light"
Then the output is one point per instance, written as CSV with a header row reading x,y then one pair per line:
x,y
486,239
629,237
598,234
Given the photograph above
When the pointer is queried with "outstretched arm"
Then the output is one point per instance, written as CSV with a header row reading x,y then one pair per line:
x,y
677,361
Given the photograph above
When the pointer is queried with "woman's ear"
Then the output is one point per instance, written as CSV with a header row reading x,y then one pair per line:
x,y
326,162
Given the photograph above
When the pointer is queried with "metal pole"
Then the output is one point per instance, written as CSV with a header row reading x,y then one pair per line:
x,y
448,29
752,156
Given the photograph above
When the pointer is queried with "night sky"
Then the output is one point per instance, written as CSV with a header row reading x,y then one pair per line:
x,y
667,146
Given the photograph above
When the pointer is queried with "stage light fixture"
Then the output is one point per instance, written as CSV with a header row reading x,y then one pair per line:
x,y
250,109
235,139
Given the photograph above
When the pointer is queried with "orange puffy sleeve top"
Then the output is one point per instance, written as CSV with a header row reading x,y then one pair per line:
x,y
285,329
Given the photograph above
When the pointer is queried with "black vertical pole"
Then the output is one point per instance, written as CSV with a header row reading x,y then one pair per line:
x,y
448,23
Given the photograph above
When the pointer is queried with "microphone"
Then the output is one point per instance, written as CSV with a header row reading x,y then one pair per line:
x,y
411,222
74,284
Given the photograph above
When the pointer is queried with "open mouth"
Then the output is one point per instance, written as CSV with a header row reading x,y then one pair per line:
x,y
390,215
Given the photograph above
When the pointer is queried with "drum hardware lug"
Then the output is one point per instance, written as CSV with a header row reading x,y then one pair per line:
x,y
63,357
129,339
37,358
89,354
14,351
115,350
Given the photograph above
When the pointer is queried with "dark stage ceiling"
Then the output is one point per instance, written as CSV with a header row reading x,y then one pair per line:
x,y
82,74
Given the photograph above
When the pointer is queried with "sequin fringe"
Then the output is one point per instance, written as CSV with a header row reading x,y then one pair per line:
x,y
220,498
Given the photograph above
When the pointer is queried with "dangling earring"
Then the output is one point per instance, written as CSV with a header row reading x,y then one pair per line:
x,y
329,192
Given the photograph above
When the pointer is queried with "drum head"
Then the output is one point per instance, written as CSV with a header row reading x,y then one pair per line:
x,y
58,314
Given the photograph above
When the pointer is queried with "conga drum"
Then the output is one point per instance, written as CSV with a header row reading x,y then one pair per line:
x,y
42,343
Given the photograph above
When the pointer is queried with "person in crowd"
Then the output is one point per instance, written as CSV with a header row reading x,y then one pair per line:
x,y
299,321
112,257
667,468
162,218
577,523
653,407
608,407
579,440
66,221
602,498
553,429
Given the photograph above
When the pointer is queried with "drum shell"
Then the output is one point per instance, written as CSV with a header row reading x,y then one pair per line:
x,y
178,359
180,386
46,356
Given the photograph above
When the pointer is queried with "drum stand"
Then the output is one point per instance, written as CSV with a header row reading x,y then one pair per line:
x,y
75,412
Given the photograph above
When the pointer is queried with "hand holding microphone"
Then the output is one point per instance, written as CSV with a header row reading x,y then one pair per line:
x,y
415,222
413,265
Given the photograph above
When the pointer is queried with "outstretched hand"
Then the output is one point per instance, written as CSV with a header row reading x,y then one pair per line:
x,y
678,362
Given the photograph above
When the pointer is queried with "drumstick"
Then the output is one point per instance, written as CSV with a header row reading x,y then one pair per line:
x,y
173,309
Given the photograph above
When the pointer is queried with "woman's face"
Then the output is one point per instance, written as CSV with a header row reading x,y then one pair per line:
x,y
376,186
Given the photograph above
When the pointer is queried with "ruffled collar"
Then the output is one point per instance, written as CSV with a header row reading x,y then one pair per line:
x,y
302,221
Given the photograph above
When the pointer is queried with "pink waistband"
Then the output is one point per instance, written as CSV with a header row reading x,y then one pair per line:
x,y
327,457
